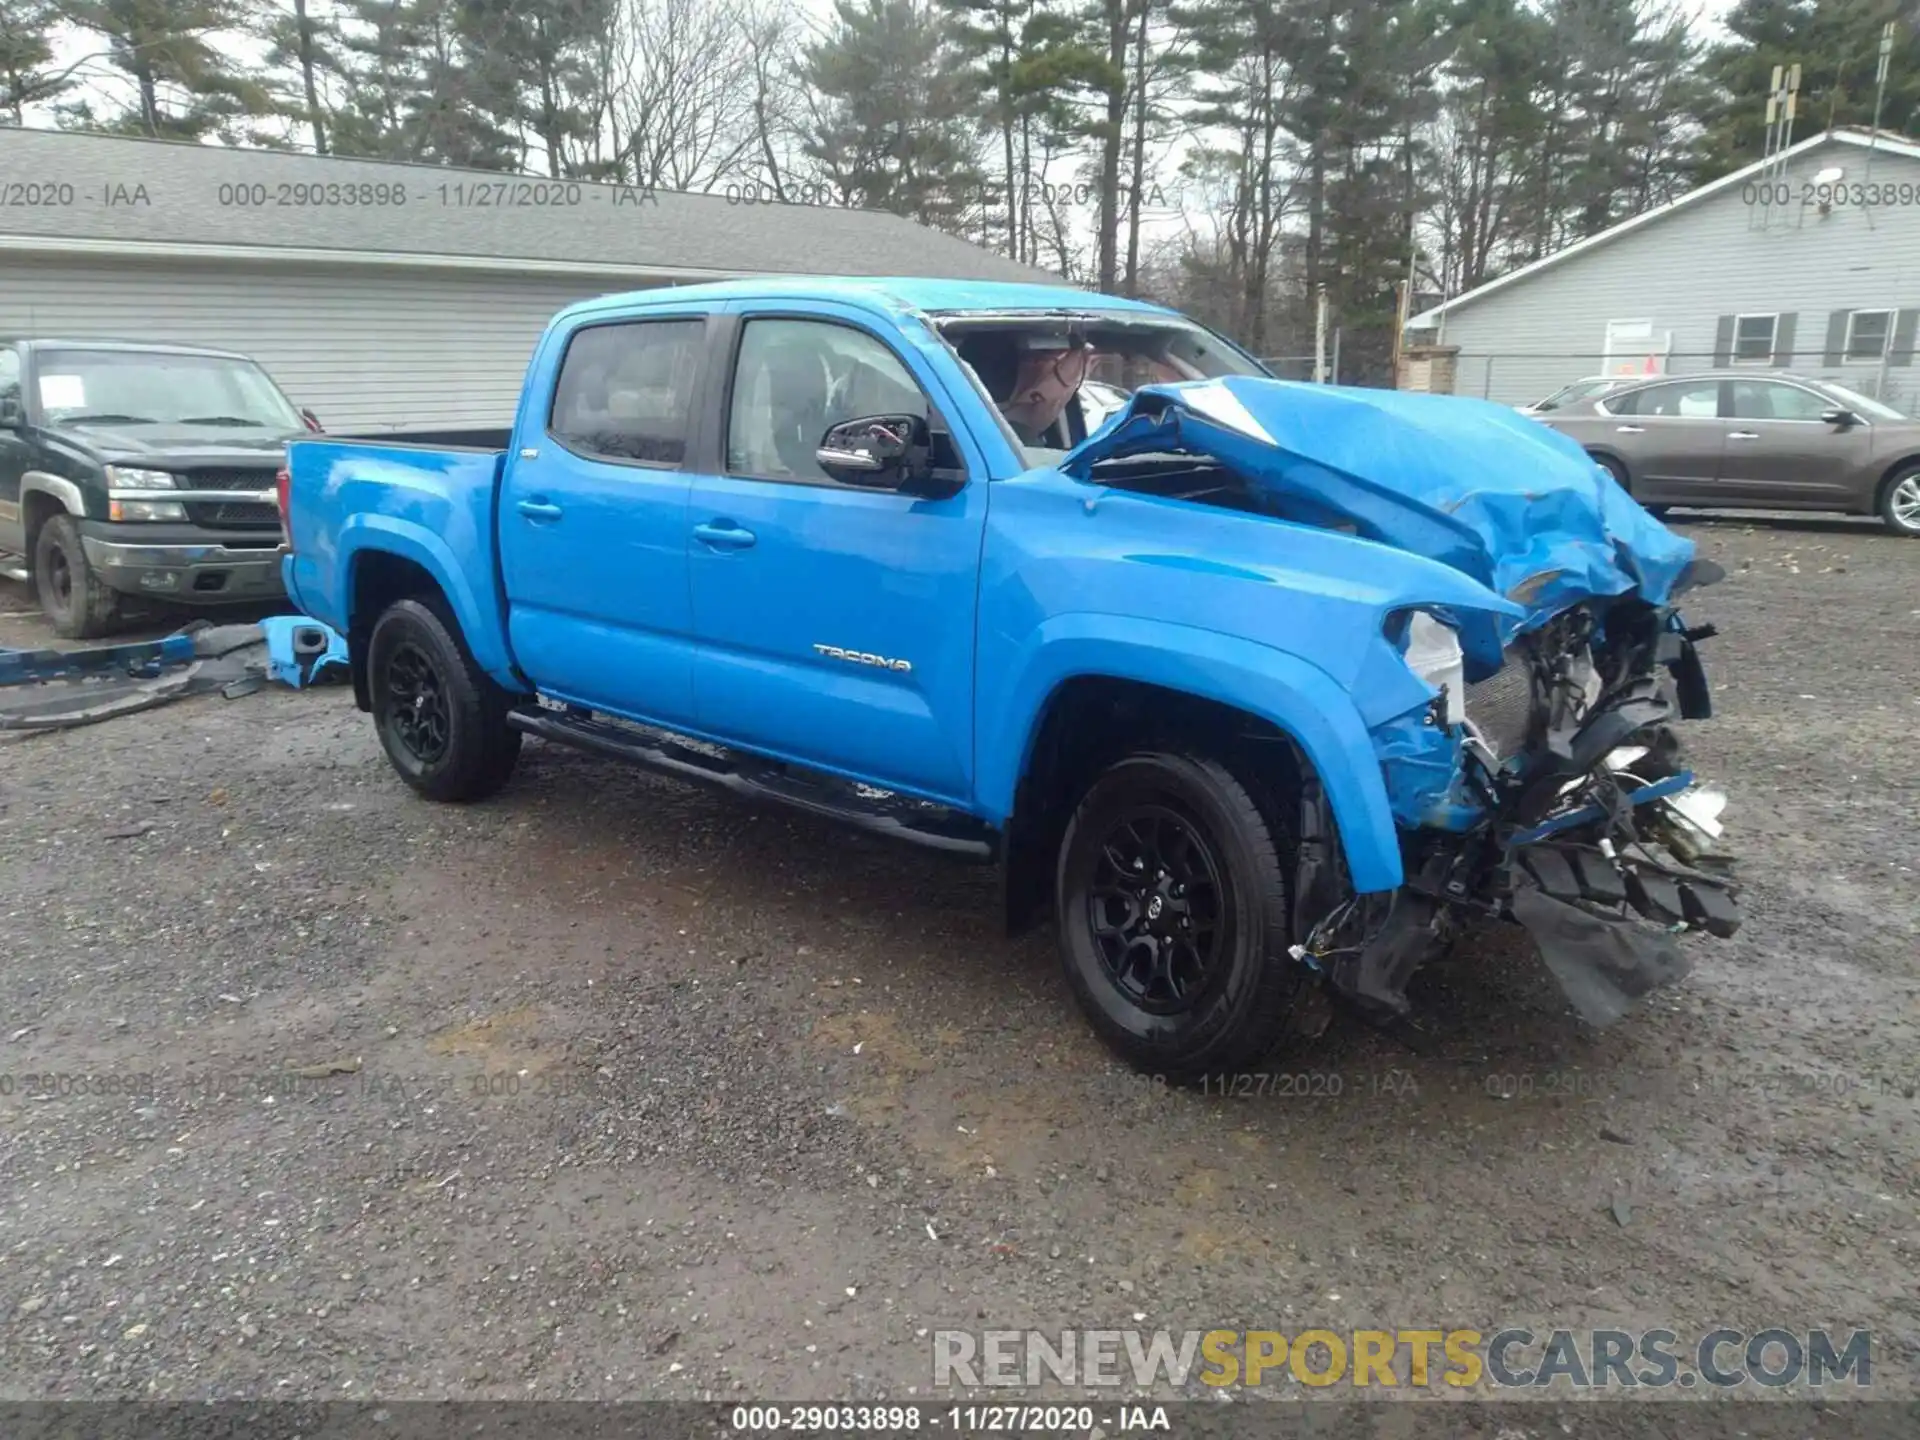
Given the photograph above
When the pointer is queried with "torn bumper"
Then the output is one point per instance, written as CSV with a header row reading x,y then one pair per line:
x,y
1561,802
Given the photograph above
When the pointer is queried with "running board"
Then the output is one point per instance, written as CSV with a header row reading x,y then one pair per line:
x,y
897,817
14,567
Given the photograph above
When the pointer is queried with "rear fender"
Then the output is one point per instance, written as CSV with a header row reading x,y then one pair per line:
x,y
1298,698
477,612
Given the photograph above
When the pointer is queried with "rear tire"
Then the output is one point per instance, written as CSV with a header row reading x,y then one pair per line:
x,y
441,720
1900,502
71,595
1171,902
1619,473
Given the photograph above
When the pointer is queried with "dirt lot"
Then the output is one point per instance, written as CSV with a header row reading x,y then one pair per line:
x,y
609,1088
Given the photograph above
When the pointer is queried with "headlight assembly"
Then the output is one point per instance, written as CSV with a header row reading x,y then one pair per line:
x,y
1432,651
145,510
120,478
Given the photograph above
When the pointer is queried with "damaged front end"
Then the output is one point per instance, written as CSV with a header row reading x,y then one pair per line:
x,y
1550,791
1541,779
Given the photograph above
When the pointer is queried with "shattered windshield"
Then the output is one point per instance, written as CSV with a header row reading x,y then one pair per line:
x,y
1054,378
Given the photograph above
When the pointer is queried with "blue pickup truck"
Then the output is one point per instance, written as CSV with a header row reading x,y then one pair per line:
x,y
1263,689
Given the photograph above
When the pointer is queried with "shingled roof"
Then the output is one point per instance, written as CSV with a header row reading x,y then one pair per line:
x,y
80,192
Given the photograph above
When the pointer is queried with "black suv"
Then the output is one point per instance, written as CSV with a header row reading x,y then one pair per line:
x,y
131,471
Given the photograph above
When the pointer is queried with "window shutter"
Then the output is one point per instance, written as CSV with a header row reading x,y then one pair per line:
x,y
1723,343
1783,326
1903,338
1836,350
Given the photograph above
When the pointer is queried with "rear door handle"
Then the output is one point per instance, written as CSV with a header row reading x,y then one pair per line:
x,y
538,509
1742,435
1629,429
723,535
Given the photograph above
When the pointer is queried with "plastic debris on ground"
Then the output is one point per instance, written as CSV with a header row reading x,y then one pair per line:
x,y
300,649
60,689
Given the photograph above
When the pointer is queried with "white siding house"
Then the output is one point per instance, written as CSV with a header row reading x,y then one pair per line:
x,y
1811,266
381,294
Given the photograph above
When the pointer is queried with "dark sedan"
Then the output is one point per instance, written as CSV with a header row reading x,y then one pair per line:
x,y
1737,438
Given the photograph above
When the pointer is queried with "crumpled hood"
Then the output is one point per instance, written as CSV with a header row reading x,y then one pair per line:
x,y
1517,506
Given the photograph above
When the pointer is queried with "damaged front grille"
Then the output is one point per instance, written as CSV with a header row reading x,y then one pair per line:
x,y
1500,707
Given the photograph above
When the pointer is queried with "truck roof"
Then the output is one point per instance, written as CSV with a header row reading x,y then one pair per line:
x,y
888,292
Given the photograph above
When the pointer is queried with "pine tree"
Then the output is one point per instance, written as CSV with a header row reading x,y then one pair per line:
x,y
1836,44
1487,132
28,74
892,123
1245,54
1030,63
185,83
303,44
413,92
532,68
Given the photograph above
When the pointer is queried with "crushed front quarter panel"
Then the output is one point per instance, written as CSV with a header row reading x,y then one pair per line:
x,y
1541,826
1517,506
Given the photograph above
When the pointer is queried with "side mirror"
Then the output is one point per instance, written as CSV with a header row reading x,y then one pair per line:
x,y
13,415
310,420
1840,416
882,452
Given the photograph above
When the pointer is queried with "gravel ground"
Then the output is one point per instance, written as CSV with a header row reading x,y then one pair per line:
x,y
612,1088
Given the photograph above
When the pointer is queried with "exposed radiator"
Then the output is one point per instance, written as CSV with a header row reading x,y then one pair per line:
x,y
1501,706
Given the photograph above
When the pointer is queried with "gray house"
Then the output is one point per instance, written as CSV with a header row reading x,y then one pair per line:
x,y
380,293
1811,264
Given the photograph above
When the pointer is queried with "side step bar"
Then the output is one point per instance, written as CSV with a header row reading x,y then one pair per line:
x,y
896,817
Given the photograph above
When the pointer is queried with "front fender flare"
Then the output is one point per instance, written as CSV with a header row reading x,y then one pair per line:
x,y
39,482
365,532
1299,698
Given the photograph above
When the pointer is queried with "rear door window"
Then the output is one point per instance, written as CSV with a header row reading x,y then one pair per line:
x,y
1681,400
626,391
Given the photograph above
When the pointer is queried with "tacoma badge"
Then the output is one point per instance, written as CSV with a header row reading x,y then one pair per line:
x,y
862,657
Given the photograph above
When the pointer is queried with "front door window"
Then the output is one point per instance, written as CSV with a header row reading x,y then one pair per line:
x,y
797,378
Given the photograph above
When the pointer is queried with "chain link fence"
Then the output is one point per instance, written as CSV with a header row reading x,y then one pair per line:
x,y
1519,378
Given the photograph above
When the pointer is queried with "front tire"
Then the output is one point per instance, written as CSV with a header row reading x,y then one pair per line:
x,y
1171,901
442,722
71,595
1900,502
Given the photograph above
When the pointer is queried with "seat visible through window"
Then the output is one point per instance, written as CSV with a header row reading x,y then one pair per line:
x,y
626,391
797,378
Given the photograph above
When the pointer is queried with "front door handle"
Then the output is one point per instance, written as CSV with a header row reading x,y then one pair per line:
x,y
723,535
539,509
1629,429
1743,435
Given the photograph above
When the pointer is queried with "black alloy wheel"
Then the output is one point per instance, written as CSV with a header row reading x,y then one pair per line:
x,y
1171,901
416,704
441,719
1154,909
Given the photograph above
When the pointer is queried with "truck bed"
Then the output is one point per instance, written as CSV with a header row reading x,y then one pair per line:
x,y
424,498
433,437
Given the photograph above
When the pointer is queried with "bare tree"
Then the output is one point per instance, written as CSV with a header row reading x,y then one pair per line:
x,y
677,113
